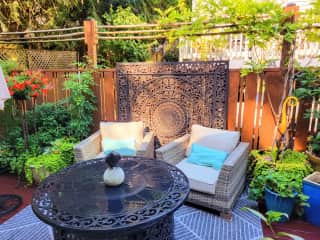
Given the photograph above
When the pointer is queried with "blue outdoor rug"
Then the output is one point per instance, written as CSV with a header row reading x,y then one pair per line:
x,y
190,224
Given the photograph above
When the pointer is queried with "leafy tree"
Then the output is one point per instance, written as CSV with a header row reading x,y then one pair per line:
x,y
113,51
21,15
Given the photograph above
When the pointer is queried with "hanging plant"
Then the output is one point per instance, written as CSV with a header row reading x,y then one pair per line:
x,y
27,84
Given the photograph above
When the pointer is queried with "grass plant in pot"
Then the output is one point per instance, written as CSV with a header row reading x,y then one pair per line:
x,y
279,182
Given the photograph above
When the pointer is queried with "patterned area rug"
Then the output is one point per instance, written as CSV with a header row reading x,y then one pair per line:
x,y
190,224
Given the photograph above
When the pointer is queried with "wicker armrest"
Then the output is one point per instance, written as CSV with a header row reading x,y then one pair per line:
x,y
88,148
233,169
146,148
174,151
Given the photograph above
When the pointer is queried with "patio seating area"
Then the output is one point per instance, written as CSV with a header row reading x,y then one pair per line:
x,y
180,120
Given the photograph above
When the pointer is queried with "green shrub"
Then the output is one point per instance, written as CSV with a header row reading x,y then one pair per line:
x,y
81,104
283,176
6,155
64,147
48,162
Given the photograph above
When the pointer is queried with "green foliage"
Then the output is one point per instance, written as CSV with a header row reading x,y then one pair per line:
x,y
64,147
81,104
314,144
269,218
308,83
59,155
113,51
283,176
51,120
20,15
308,88
9,66
43,164
6,155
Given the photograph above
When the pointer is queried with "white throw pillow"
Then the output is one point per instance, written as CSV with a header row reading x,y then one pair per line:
x,y
122,130
217,139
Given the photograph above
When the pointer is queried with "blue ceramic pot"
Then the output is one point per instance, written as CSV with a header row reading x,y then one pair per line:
x,y
311,188
275,202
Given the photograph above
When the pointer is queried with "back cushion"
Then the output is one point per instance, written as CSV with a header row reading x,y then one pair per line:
x,y
217,139
122,130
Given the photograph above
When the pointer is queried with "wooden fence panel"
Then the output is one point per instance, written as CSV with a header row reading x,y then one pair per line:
x,y
249,108
105,91
243,115
233,99
274,85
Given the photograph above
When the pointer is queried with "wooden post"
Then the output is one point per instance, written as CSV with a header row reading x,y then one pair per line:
x,y
91,39
286,45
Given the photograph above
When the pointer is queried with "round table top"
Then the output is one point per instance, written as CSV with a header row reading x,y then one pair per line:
x,y
77,198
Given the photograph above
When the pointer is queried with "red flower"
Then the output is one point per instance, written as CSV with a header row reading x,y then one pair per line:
x,y
34,94
35,86
45,80
44,91
27,82
29,72
11,92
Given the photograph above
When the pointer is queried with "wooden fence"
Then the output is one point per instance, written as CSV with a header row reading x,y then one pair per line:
x,y
248,112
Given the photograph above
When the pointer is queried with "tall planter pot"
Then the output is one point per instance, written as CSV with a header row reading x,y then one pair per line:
x,y
275,202
311,188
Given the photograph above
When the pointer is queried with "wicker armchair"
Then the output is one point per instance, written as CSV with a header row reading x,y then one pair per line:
x,y
230,181
91,147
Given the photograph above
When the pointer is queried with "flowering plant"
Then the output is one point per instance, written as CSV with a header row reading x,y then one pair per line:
x,y
26,84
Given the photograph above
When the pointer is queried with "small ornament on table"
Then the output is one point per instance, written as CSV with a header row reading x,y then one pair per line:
x,y
113,175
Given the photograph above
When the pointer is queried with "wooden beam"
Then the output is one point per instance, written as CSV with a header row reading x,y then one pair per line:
x,y
91,39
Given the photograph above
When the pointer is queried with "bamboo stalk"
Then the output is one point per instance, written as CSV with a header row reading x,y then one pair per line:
x,y
42,31
39,41
159,25
134,32
163,36
45,37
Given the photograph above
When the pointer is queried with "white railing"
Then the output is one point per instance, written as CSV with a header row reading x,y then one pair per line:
x,y
236,49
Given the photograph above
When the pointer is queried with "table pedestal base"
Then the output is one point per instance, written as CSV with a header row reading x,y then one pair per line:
x,y
158,230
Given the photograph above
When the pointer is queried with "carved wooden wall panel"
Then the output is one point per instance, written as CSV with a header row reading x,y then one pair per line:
x,y
170,97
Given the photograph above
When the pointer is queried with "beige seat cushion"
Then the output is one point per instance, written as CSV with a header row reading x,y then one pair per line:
x,y
218,139
122,130
201,178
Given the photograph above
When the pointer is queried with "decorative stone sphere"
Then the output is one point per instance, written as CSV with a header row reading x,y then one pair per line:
x,y
113,175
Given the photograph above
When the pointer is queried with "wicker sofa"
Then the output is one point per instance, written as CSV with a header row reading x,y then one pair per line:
x,y
228,182
91,147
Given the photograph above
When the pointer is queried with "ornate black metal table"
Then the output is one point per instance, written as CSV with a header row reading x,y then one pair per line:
x,y
79,206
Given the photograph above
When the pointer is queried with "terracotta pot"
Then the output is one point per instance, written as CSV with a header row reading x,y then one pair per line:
x,y
315,160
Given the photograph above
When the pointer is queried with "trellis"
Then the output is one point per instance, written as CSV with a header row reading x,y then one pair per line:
x,y
40,59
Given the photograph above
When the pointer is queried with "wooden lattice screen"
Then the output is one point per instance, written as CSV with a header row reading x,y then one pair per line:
x,y
170,97
40,59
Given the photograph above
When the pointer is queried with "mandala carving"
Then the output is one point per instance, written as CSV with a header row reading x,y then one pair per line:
x,y
170,97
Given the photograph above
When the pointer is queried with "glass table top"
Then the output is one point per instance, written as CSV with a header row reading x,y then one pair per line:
x,y
77,197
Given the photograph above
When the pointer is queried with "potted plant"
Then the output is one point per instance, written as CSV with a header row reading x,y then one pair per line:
x,y
39,167
56,157
279,182
308,82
